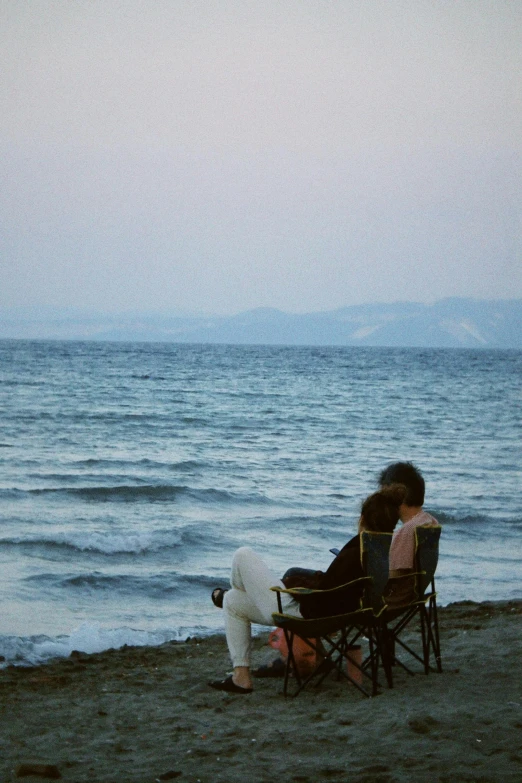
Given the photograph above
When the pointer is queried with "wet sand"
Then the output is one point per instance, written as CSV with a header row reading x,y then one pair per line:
x,y
142,714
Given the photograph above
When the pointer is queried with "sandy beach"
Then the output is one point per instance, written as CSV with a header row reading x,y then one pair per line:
x,y
143,714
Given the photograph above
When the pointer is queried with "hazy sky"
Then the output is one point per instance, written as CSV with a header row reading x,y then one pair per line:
x,y
213,155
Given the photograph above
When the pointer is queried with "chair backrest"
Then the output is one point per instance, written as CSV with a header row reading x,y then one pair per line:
x,y
426,555
375,551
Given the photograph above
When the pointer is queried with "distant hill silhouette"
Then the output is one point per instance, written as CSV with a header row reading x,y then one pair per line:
x,y
449,323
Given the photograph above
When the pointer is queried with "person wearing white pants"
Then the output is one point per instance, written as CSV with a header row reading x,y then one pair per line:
x,y
249,600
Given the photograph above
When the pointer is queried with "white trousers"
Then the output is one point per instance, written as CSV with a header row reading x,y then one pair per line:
x,y
250,600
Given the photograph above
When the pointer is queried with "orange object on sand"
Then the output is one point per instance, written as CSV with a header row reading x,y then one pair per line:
x,y
354,656
305,657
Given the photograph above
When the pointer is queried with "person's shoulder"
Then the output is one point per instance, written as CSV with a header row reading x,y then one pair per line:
x,y
351,544
407,528
427,519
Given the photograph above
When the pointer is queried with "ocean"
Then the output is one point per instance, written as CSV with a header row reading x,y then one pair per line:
x,y
130,472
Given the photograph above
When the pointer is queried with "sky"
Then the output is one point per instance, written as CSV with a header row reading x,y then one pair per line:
x,y
221,155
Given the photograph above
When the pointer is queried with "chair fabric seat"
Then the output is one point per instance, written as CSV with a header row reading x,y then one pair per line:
x,y
319,626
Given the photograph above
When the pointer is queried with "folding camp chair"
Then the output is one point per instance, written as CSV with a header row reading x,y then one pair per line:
x,y
423,606
331,638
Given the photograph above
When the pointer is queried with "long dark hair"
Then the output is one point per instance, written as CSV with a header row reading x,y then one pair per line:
x,y
380,511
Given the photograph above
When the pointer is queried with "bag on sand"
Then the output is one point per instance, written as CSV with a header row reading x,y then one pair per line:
x,y
305,657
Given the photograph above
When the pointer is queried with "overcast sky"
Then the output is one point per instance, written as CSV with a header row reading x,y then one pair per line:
x,y
216,156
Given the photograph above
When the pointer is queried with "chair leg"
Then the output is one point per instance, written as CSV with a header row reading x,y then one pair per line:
x,y
434,632
424,640
387,654
337,656
352,681
371,660
374,662
394,640
429,632
290,661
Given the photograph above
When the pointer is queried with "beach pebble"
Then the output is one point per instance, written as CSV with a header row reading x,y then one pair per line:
x,y
41,770
422,725
78,655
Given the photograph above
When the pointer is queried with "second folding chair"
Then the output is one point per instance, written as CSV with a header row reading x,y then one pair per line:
x,y
399,620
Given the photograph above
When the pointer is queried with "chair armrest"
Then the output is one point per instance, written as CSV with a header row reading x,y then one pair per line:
x,y
298,591
401,590
406,576
292,590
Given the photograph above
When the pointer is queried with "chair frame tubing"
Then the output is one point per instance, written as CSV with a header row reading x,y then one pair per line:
x,y
426,608
322,669
366,621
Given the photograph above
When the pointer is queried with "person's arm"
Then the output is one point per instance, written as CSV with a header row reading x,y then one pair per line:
x,y
312,580
345,567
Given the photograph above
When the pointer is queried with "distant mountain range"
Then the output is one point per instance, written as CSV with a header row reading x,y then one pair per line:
x,y
449,323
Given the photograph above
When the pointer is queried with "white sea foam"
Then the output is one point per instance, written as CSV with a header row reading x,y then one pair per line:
x,y
87,638
112,543
104,542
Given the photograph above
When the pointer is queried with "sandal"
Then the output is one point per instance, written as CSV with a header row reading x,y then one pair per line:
x,y
217,596
229,686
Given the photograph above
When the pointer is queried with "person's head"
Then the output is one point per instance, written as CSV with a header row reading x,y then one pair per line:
x,y
407,474
380,511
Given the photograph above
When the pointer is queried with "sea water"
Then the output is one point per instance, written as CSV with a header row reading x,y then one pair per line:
x,y
131,472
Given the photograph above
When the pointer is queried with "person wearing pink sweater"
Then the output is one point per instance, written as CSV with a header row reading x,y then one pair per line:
x,y
399,592
411,514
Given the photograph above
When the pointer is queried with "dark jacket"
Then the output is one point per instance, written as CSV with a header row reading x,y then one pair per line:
x,y
344,568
